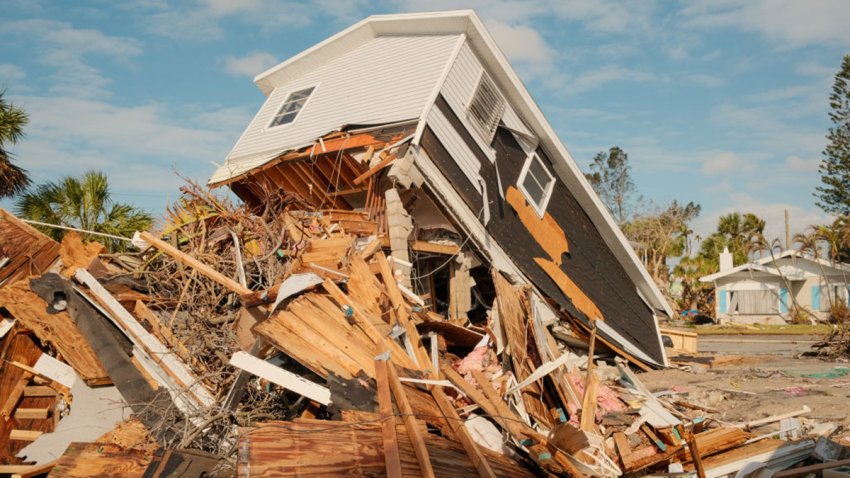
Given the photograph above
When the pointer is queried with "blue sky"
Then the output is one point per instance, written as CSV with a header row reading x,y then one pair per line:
x,y
719,102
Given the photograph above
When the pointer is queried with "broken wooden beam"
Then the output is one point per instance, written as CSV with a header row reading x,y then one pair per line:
x,y
388,431
189,261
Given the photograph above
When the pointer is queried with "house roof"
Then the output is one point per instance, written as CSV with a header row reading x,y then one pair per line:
x,y
794,253
749,267
765,265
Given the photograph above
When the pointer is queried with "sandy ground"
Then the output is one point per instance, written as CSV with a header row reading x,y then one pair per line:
x,y
776,384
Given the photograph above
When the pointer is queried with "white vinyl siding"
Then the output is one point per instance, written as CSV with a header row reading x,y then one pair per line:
x,y
384,80
536,183
456,146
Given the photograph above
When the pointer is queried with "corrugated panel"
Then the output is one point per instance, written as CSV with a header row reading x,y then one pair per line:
x,y
458,90
386,79
456,147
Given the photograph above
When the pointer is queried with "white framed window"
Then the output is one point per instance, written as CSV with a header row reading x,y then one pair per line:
x,y
292,106
536,182
486,108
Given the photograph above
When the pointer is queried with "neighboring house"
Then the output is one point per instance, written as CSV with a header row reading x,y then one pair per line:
x,y
418,122
764,291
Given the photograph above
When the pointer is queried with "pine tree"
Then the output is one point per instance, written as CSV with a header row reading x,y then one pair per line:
x,y
834,195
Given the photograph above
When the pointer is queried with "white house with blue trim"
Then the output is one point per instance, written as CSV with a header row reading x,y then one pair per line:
x,y
763,291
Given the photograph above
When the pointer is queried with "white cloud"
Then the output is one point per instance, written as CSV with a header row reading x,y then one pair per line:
x,y
249,65
591,79
702,79
773,213
10,74
67,49
520,43
726,162
795,163
793,23
199,21
607,16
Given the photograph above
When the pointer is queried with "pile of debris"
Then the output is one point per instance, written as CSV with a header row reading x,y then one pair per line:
x,y
286,341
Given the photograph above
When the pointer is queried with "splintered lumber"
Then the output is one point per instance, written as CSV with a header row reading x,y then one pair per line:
x,y
282,377
14,396
401,311
338,448
714,441
456,423
82,460
316,333
195,264
624,451
769,452
588,404
30,252
58,330
695,455
385,405
386,159
158,353
410,423
776,418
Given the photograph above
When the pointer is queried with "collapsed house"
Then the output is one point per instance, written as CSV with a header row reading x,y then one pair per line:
x,y
418,283
445,145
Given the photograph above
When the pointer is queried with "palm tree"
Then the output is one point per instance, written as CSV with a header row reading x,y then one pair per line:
x,y
13,179
83,203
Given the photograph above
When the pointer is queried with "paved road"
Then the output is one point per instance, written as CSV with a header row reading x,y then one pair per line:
x,y
757,344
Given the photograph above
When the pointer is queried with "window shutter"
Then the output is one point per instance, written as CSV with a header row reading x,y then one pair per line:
x,y
815,297
724,305
783,301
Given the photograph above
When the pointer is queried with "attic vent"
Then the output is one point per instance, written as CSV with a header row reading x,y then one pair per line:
x,y
486,108
292,106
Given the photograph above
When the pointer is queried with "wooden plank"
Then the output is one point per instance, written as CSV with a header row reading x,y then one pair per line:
x,y
387,158
388,431
692,446
284,378
434,248
82,460
456,423
14,396
39,391
476,396
189,261
340,448
410,423
624,450
397,300
25,435
31,413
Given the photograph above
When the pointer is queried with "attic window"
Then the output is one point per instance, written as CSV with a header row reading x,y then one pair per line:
x,y
486,108
536,182
292,106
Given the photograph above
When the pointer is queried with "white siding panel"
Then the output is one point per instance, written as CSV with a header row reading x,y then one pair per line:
x,y
458,90
456,146
383,80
